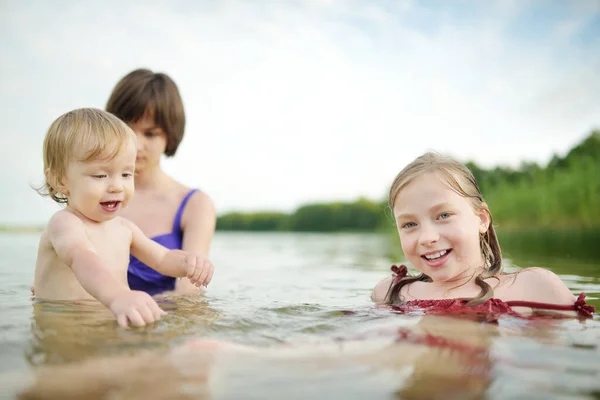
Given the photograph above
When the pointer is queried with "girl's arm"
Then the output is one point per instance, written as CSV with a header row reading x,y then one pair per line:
x,y
198,224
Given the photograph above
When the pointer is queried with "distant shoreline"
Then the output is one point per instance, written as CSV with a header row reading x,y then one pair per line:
x,y
21,228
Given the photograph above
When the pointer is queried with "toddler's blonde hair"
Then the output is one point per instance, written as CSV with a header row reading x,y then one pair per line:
x,y
85,134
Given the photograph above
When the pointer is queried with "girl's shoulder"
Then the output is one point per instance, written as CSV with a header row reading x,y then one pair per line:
x,y
534,284
381,289
528,276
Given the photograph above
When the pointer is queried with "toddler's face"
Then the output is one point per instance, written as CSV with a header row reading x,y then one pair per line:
x,y
98,189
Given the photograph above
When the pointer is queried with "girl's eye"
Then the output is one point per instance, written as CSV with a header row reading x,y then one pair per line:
x,y
408,225
150,134
127,175
99,176
444,216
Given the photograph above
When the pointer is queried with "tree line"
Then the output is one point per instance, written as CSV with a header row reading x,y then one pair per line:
x,y
565,193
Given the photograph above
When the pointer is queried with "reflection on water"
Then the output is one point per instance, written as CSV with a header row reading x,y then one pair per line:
x,y
67,331
303,301
426,357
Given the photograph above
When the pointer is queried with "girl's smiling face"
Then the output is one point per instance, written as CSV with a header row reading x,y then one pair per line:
x,y
439,229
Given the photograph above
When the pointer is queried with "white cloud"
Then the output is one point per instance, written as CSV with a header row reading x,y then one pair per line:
x,y
289,102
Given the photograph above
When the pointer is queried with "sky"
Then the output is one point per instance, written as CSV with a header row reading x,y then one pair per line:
x,y
290,102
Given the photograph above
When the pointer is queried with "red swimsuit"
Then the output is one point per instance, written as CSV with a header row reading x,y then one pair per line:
x,y
491,307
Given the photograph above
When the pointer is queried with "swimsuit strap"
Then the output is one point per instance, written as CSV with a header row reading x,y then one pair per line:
x,y
580,306
177,221
583,309
399,272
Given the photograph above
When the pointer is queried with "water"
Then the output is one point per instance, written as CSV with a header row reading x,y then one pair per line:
x,y
294,296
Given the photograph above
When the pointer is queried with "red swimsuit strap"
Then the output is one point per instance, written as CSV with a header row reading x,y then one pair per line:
x,y
399,272
580,306
583,309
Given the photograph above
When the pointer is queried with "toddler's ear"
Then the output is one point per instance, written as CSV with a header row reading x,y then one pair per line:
x,y
57,183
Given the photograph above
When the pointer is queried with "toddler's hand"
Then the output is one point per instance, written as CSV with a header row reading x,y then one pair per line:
x,y
137,307
199,269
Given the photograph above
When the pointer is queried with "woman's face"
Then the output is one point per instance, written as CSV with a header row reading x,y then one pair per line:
x,y
151,142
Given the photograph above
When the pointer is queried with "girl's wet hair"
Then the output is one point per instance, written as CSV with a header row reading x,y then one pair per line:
x,y
85,134
461,180
143,93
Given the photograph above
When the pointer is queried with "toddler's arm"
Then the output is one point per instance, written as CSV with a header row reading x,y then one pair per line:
x,y
175,263
69,239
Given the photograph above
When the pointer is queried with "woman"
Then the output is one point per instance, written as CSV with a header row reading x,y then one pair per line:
x,y
167,211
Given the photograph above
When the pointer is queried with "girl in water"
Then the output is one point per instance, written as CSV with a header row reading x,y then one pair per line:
x,y
446,233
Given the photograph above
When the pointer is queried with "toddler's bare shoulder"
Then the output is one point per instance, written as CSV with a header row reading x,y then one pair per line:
x,y
123,222
62,221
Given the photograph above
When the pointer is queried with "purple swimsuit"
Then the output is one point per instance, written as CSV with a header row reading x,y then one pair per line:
x,y
142,277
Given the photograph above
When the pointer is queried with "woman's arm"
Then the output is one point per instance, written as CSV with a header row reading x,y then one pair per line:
x,y
175,263
198,224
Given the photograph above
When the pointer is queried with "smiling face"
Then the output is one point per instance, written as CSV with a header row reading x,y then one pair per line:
x,y
99,188
439,229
